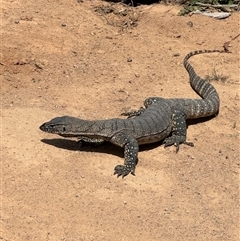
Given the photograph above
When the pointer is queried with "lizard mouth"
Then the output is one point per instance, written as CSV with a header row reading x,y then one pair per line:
x,y
53,128
46,128
42,127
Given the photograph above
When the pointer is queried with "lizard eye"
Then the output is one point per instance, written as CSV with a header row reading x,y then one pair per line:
x,y
64,129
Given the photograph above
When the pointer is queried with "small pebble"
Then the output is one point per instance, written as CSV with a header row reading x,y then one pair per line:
x,y
190,24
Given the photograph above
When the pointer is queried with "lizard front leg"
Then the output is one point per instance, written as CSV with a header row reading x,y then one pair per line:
x,y
131,148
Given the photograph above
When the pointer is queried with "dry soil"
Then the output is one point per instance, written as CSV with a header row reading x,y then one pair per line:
x,y
95,60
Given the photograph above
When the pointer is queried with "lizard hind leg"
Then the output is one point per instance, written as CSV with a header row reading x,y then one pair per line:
x,y
179,130
90,141
131,148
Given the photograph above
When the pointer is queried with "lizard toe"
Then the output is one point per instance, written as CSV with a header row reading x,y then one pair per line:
x,y
176,141
121,170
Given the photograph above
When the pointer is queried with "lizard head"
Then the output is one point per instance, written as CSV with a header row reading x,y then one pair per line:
x,y
59,125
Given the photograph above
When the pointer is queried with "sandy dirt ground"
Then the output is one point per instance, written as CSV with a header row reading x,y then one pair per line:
x,y
95,60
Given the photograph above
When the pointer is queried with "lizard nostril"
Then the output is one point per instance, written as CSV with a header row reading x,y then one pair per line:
x,y
64,129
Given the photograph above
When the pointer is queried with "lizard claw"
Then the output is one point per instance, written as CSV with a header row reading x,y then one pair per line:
x,y
176,141
123,171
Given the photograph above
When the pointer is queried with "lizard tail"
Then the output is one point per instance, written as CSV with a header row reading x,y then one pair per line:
x,y
201,86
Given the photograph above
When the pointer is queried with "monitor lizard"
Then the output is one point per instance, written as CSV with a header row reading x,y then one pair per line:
x,y
160,119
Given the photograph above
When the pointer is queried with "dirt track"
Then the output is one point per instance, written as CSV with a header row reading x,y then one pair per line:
x,y
70,58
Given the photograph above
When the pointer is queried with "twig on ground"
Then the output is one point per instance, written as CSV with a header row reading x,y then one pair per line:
x,y
227,44
216,6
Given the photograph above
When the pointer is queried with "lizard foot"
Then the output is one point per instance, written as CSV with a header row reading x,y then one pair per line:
x,y
133,113
123,171
176,141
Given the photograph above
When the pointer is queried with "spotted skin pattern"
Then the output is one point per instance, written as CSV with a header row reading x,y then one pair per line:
x,y
179,130
130,145
159,119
